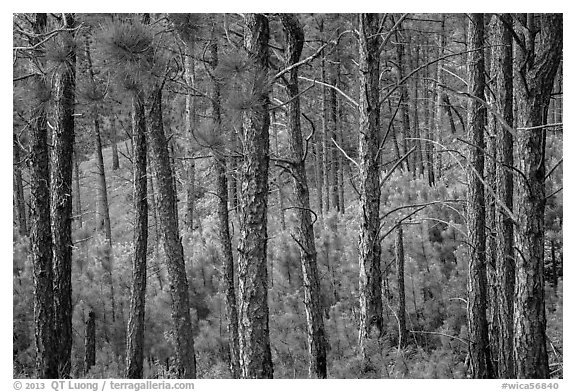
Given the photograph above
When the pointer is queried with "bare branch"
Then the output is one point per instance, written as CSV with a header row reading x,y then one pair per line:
x,y
345,154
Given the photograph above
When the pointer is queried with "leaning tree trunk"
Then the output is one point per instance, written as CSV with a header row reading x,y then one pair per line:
x,y
135,333
223,221
61,187
503,226
304,235
255,354
371,322
167,214
536,69
40,230
477,322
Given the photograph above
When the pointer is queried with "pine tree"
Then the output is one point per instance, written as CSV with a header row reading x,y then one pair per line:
x,y
61,188
477,298
255,354
536,63
304,235
371,322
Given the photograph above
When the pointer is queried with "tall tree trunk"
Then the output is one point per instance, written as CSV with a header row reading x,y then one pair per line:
x,y
318,173
76,197
255,353
503,226
61,207
416,158
404,99
439,99
135,332
333,132
402,331
190,123
18,189
90,342
40,230
536,68
304,234
477,322
167,214
371,322
326,142
103,212
223,222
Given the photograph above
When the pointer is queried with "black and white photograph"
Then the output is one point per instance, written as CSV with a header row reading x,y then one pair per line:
x,y
286,195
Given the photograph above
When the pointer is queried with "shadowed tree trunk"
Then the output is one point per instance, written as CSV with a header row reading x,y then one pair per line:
x,y
502,74
404,101
304,234
371,322
76,197
90,342
114,143
535,69
135,333
40,230
223,221
255,354
416,158
399,248
477,299
61,207
326,142
168,219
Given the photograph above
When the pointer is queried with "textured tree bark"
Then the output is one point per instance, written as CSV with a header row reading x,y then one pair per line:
x,y
255,354
166,204
41,234
502,74
371,322
402,331
477,323
304,233
135,332
535,70
90,342
61,207
76,197
223,221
